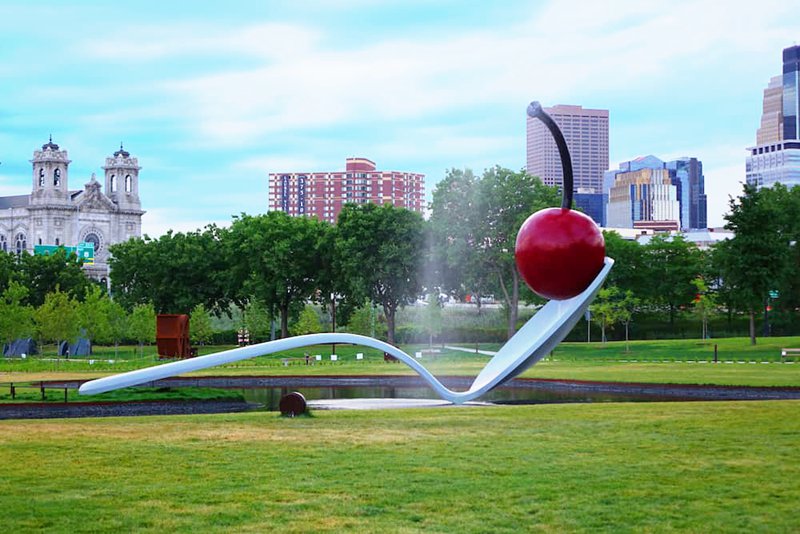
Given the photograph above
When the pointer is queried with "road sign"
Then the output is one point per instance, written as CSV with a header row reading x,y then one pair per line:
x,y
84,251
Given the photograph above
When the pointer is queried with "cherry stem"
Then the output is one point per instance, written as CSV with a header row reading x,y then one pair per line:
x,y
535,111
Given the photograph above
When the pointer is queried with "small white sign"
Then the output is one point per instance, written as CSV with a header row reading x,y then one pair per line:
x,y
318,357
334,357
418,355
359,355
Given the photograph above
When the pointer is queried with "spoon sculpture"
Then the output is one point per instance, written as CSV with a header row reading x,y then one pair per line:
x,y
571,247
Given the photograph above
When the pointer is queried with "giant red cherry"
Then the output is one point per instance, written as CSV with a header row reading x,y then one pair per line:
x,y
559,251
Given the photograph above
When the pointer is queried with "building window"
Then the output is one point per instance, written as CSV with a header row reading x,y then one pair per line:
x,y
112,183
94,239
57,177
128,183
58,241
41,177
22,243
3,243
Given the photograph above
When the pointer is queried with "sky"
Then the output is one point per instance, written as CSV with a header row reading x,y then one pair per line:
x,y
213,96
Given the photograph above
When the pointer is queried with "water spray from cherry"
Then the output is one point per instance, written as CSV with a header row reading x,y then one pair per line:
x,y
559,251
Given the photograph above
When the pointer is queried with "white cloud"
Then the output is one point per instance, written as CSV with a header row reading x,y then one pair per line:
x,y
158,42
263,165
157,221
561,54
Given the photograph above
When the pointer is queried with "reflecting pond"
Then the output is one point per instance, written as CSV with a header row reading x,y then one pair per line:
x,y
269,397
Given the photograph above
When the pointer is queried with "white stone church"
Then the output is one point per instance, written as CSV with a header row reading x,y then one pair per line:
x,y
55,215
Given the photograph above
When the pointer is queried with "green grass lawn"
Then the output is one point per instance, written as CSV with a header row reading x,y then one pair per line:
x,y
639,467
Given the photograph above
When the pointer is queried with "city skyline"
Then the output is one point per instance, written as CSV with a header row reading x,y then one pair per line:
x,y
211,100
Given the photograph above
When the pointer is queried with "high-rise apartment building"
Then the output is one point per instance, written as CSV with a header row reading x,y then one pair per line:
x,y
776,156
323,194
586,134
649,193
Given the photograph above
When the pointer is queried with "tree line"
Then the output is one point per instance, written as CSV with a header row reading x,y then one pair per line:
x,y
272,265
276,264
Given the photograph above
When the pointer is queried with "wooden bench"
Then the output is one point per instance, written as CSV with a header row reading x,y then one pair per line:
x,y
789,353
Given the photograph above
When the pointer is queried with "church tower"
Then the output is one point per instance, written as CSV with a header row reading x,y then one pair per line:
x,y
50,168
122,180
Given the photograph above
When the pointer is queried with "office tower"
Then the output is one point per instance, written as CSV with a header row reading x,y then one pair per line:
x,y
592,204
771,130
586,134
687,176
776,156
323,194
649,193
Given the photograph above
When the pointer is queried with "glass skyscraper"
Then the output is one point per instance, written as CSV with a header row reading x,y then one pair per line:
x,y
648,191
776,156
791,104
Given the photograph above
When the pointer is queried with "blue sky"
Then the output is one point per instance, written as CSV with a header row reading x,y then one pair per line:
x,y
212,96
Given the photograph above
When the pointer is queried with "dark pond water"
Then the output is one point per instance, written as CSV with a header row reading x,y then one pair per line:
x,y
270,397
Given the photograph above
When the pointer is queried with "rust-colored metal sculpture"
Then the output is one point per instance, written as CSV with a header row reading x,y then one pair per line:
x,y
172,336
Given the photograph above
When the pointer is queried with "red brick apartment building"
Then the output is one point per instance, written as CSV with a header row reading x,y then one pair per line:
x,y
322,194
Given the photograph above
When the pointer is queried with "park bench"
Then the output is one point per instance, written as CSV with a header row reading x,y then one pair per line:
x,y
788,353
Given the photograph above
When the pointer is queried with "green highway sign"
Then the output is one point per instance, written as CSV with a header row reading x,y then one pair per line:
x,y
84,251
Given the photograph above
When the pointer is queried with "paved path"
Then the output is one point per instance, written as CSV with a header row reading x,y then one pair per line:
x,y
385,404
472,351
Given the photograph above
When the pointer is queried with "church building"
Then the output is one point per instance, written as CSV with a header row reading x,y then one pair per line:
x,y
53,214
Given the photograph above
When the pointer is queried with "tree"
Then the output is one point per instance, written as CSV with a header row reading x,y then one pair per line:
x,y
367,321
382,250
434,316
60,271
142,325
333,290
16,318
629,272
57,319
9,269
307,322
604,309
117,322
505,200
174,272
759,256
277,261
704,303
200,328
93,316
454,224
671,265
625,308
256,319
